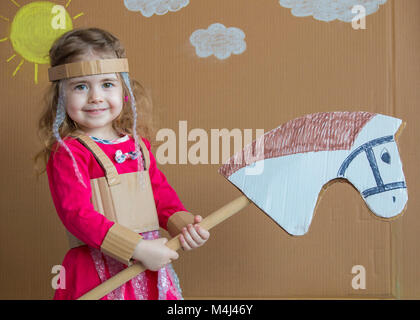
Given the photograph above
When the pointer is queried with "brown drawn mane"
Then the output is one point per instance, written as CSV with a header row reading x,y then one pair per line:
x,y
327,131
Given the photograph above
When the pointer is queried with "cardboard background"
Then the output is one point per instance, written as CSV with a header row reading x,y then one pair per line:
x,y
292,66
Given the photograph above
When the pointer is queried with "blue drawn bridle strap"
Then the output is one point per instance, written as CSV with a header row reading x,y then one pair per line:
x,y
367,148
363,147
383,188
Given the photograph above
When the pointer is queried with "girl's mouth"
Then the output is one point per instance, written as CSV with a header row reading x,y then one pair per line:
x,y
96,111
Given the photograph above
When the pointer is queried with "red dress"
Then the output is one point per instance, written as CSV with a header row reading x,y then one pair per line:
x,y
86,266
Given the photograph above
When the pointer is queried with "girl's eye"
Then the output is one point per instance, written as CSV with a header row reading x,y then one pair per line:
x,y
80,87
108,85
385,156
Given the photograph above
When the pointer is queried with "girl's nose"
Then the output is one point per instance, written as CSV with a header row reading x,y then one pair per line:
x,y
95,100
95,96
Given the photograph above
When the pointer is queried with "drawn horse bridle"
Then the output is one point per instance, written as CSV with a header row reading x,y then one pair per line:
x,y
367,148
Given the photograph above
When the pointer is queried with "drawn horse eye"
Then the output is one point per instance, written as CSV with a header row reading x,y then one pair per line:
x,y
385,156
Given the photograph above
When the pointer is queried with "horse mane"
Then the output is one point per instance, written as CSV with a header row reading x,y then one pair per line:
x,y
326,131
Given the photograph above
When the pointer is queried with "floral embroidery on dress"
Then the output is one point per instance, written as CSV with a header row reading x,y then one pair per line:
x,y
121,157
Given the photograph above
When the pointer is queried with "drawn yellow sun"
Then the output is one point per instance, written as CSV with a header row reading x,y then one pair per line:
x,y
34,29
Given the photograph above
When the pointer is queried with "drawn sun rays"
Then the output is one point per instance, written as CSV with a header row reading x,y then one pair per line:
x,y
34,29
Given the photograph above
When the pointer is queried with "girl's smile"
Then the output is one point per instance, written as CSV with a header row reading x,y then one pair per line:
x,y
96,111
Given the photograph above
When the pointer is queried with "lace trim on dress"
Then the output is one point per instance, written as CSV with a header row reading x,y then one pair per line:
x,y
107,267
115,141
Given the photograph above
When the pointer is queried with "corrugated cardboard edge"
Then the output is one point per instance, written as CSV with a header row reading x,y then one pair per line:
x,y
396,227
397,242
86,68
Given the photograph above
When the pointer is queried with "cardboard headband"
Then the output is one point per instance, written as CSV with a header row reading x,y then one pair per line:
x,y
87,68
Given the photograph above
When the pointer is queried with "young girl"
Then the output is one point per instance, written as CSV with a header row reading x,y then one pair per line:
x,y
104,182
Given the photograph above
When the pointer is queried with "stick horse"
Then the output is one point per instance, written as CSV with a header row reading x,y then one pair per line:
x,y
284,171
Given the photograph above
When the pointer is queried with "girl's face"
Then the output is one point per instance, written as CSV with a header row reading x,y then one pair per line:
x,y
93,102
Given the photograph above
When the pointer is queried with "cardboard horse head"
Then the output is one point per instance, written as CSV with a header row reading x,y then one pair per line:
x,y
284,171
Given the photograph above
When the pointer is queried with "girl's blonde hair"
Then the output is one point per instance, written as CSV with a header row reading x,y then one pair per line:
x,y
69,48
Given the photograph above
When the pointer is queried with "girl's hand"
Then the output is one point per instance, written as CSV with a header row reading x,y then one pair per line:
x,y
193,236
154,254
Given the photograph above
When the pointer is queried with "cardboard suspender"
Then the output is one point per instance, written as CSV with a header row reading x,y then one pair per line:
x,y
111,173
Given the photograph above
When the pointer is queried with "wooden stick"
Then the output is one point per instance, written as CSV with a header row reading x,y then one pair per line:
x,y
127,274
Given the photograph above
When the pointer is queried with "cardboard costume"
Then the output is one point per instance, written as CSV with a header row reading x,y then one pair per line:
x,y
121,199
116,210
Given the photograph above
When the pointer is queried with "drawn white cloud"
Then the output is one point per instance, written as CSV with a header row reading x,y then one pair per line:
x,y
150,7
219,41
329,10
